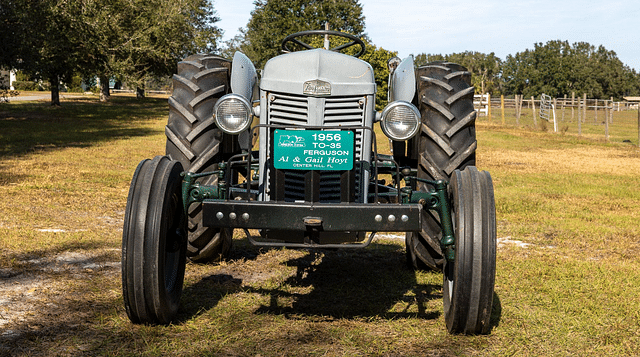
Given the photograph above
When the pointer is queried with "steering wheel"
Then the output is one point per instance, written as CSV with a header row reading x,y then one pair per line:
x,y
294,39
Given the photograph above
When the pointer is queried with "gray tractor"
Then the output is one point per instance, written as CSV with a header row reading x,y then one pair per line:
x,y
294,157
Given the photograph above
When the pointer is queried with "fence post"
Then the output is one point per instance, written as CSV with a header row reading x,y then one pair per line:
x,y
595,108
573,103
489,106
502,107
639,125
584,107
533,108
579,116
518,108
555,121
611,112
607,112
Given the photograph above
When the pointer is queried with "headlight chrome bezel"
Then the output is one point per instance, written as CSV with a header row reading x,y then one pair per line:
x,y
390,110
245,122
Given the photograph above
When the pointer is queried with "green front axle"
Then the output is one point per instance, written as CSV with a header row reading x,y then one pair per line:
x,y
193,191
436,199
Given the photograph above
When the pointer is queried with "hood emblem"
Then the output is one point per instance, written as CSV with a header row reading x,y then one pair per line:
x,y
317,87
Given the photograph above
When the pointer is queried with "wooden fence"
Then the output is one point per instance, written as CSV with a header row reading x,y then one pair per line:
x,y
578,110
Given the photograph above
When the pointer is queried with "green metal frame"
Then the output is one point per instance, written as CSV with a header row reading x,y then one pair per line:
x,y
193,192
437,198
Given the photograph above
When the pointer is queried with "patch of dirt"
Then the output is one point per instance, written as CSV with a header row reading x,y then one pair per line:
x,y
24,291
502,242
264,267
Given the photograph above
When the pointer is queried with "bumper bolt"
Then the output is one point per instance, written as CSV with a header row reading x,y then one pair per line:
x,y
392,218
378,218
245,216
232,215
404,218
219,215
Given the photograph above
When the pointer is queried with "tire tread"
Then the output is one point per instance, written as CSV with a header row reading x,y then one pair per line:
x,y
445,143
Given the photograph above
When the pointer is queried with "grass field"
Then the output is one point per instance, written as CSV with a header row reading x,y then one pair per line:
x,y
568,274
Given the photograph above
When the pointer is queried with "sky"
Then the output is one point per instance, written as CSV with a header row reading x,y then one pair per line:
x,y
503,27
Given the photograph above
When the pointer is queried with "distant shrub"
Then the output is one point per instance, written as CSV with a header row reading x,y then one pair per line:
x,y
25,85
75,85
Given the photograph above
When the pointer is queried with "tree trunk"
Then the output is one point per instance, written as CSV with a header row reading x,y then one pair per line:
x,y
140,92
105,95
54,81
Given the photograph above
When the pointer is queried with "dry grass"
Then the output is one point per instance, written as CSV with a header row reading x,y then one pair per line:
x,y
567,280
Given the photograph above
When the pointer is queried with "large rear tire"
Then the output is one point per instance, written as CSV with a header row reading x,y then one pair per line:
x,y
154,242
446,142
469,279
194,140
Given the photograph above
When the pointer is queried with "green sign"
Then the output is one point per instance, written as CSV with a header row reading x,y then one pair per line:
x,y
313,150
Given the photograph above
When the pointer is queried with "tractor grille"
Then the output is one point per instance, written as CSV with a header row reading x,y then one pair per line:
x,y
346,111
295,186
300,111
288,110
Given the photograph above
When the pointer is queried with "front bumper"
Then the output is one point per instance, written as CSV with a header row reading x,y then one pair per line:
x,y
324,217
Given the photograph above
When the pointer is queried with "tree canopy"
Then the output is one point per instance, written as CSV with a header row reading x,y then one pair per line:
x,y
555,68
558,68
52,39
272,20
484,68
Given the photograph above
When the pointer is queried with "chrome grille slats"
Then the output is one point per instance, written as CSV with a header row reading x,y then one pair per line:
x,y
347,111
288,109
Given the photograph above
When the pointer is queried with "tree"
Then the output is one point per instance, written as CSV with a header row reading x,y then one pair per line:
x,y
43,39
156,34
141,38
13,26
272,20
377,57
56,38
558,68
485,68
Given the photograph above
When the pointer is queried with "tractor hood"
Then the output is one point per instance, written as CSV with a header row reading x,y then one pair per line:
x,y
318,72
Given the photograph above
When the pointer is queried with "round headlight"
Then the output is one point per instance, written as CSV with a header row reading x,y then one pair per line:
x,y
232,113
400,120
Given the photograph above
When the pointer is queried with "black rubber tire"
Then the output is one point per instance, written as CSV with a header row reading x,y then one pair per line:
x,y
194,140
154,242
446,142
469,280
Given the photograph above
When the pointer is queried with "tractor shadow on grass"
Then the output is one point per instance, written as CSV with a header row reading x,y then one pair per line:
x,y
340,284
352,285
371,282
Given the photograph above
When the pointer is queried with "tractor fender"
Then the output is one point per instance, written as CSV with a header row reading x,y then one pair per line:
x,y
243,76
402,85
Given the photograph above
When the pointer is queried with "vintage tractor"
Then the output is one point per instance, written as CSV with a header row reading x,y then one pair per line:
x,y
296,158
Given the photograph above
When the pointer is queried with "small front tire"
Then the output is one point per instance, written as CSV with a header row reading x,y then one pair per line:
x,y
469,280
154,242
